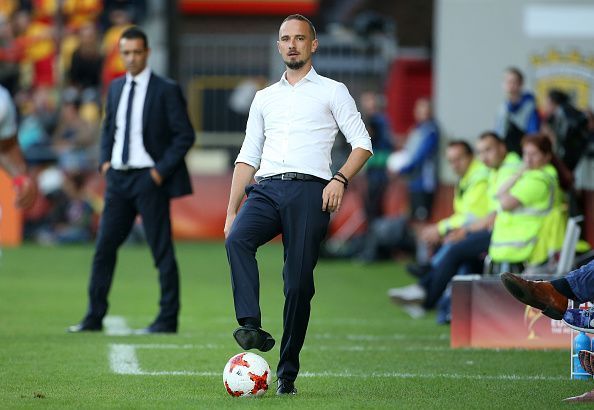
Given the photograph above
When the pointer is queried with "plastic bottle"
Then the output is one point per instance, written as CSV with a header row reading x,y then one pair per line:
x,y
580,342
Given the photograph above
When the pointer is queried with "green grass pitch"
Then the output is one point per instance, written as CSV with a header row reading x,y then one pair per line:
x,y
360,352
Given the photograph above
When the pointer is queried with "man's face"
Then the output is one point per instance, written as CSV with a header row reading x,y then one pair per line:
x,y
491,152
458,159
296,43
511,85
134,54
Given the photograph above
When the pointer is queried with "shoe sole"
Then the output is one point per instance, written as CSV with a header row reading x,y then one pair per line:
x,y
252,339
518,292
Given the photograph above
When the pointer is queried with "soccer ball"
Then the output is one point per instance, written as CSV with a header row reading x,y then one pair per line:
x,y
246,374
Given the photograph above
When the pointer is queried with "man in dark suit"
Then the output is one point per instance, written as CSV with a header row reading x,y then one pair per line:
x,y
145,136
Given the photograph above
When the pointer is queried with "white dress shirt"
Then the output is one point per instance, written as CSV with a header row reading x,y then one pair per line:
x,y
8,121
292,128
138,157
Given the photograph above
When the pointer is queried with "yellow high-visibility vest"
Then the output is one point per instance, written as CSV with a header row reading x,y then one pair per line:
x,y
470,198
515,233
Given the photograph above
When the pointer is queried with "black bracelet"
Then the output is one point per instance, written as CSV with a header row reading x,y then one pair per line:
x,y
340,174
346,184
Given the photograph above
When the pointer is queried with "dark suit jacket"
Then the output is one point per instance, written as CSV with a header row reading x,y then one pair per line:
x,y
167,131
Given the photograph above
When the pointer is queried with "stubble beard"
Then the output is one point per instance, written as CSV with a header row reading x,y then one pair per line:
x,y
295,65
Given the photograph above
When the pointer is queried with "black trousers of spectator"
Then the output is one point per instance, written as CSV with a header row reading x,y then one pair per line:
x,y
129,193
293,208
469,250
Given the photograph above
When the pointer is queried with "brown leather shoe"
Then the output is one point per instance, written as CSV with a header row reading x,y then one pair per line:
x,y
539,294
584,398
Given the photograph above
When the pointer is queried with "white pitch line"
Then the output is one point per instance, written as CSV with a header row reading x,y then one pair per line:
x,y
116,326
123,360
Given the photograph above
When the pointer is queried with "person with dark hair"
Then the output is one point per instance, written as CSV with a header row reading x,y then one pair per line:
x,y
529,226
290,131
569,128
470,205
145,136
518,114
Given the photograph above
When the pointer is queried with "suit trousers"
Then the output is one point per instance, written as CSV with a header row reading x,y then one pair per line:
x,y
129,193
293,208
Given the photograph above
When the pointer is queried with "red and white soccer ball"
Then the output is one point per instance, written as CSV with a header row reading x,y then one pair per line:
x,y
246,374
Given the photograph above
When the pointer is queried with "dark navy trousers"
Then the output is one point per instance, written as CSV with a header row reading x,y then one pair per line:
x,y
293,208
129,193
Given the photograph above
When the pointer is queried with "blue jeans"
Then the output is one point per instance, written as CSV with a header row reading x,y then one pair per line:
x,y
581,282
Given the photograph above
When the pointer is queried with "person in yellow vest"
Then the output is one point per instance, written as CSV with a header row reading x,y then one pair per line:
x,y
470,205
530,205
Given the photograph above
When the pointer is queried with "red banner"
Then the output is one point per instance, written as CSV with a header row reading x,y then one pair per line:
x,y
485,315
268,7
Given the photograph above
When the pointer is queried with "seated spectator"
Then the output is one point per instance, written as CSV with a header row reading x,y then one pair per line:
x,y
74,139
417,161
87,61
518,114
467,245
528,201
375,169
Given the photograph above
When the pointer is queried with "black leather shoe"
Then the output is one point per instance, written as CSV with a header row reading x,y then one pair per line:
x,y
285,387
84,327
251,337
156,328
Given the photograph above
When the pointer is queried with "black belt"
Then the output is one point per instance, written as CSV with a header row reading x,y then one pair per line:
x,y
294,176
130,170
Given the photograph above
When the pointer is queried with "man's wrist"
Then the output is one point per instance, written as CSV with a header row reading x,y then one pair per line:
x,y
20,180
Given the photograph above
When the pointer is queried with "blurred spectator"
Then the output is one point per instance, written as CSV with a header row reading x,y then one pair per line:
x,y
531,220
80,13
568,126
74,139
35,38
517,115
113,66
71,219
9,56
418,161
375,171
87,61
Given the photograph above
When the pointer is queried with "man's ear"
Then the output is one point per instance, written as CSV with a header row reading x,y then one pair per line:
x,y
314,45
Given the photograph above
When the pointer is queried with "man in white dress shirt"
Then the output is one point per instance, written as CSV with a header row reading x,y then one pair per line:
x,y
289,134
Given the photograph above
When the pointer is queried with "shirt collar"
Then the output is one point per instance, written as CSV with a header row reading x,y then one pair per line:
x,y
312,76
142,78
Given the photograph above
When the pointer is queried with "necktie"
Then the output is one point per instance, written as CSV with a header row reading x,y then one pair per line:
x,y
126,149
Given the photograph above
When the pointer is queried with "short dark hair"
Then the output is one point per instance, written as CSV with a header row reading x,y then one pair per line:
x,y
517,72
301,17
463,144
558,97
135,32
491,134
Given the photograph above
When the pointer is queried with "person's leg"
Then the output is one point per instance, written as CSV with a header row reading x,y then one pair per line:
x,y
457,254
152,203
304,226
116,221
256,223
581,284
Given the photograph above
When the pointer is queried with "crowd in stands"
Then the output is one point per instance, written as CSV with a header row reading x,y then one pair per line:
x,y
512,199
56,58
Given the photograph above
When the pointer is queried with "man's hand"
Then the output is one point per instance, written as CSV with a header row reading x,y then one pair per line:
x,y
26,191
332,196
430,234
156,176
104,167
229,223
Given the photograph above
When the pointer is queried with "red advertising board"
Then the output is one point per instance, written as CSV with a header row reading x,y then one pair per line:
x,y
267,7
485,315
